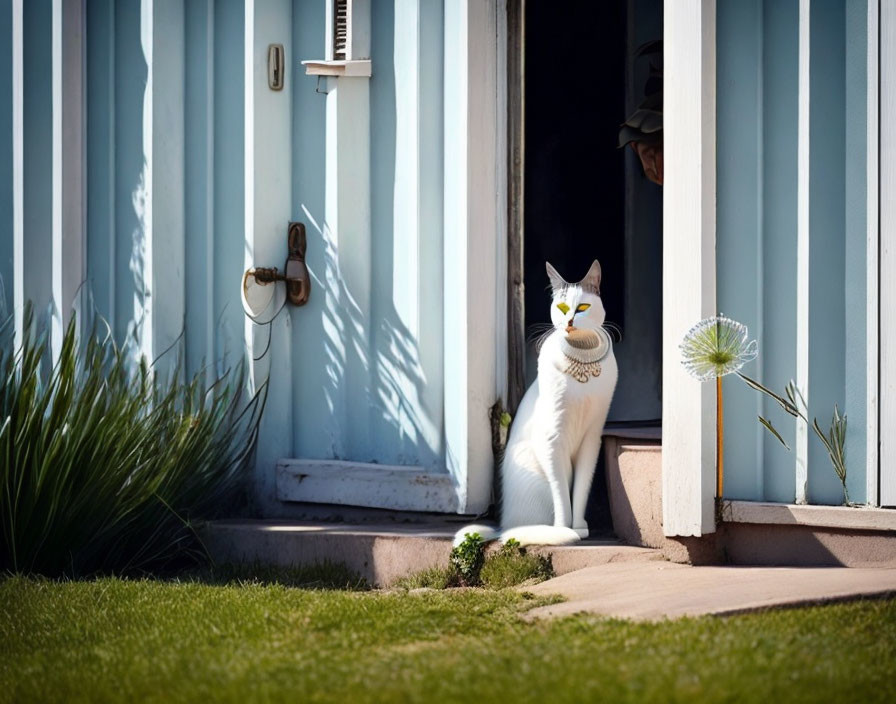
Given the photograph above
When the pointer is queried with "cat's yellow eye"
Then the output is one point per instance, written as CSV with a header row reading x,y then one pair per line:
x,y
563,308
582,307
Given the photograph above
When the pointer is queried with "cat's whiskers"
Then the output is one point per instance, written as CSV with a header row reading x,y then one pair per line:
x,y
538,332
537,329
613,328
539,339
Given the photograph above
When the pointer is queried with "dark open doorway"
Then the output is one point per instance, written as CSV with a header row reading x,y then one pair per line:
x,y
584,198
581,197
574,172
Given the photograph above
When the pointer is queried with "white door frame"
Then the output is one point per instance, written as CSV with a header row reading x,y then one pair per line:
x,y
471,224
689,265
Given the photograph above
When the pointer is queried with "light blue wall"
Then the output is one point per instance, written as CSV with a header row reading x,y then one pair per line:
x,y
757,177
827,188
116,178
6,241
855,259
406,315
317,400
229,164
37,146
213,167
213,198
778,149
757,87
401,412
199,169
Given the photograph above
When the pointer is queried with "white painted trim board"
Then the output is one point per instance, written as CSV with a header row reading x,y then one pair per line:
x,y
888,253
689,291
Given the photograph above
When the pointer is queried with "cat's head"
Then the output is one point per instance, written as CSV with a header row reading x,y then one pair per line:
x,y
577,305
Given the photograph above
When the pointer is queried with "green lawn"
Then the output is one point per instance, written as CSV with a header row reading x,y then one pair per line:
x,y
114,640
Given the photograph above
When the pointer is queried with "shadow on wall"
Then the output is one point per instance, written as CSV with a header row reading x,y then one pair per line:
x,y
370,378
118,171
367,368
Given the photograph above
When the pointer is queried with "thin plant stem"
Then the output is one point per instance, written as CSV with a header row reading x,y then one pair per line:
x,y
720,450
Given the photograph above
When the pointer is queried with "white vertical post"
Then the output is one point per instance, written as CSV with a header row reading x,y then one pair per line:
x,y
329,29
470,264
802,247
887,252
18,174
359,30
689,291
69,207
872,345
268,205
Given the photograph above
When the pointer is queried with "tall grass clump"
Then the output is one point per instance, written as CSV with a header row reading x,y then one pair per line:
x,y
104,465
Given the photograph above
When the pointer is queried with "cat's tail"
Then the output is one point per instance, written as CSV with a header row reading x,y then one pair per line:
x,y
540,535
486,532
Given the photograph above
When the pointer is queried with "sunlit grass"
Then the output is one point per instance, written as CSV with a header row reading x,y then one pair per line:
x,y
113,640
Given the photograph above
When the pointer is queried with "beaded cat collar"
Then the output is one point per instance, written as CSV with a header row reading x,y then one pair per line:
x,y
584,352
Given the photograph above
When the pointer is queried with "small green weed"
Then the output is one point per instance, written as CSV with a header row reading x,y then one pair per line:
x,y
467,559
507,567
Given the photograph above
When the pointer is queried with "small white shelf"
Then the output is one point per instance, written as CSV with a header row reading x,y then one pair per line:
x,y
847,517
360,68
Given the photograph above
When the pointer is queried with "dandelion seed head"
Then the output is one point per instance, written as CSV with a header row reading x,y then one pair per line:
x,y
715,347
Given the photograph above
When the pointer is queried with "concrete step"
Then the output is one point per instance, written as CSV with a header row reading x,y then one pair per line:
x,y
380,553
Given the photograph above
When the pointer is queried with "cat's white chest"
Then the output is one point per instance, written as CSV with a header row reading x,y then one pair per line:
x,y
564,406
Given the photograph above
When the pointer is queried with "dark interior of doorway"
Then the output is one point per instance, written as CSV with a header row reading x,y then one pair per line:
x,y
587,199
575,190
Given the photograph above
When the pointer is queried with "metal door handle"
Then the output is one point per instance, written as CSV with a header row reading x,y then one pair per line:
x,y
298,280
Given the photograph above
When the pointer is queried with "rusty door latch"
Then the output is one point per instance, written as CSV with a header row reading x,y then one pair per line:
x,y
295,272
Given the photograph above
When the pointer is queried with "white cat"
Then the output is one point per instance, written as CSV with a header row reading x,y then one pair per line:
x,y
552,450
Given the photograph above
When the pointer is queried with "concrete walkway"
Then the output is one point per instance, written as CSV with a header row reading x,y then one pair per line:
x,y
649,591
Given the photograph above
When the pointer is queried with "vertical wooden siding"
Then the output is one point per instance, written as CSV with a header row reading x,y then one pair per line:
x,y
798,296
192,169
7,209
165,227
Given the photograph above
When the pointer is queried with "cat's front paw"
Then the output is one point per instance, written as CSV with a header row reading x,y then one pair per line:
x,y
582,532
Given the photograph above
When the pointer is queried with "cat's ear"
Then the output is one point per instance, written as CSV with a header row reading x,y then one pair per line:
x,y
557,281
591,282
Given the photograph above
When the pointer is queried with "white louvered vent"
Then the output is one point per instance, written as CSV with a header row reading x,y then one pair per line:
x,y
340,29
347,44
